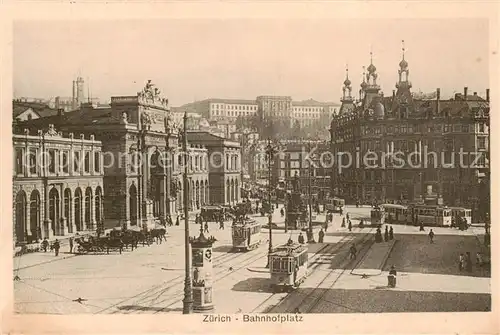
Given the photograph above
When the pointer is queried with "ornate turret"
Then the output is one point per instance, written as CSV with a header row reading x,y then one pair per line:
x,y
403,71
347,89
371,90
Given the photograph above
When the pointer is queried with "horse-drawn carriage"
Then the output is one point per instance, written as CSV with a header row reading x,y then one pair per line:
x,y
98,244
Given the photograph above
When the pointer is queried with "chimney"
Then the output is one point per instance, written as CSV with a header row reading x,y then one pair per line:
x,y
465,93
488,95
438,97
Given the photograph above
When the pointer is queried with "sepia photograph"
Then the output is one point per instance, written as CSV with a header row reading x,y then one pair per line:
x,y
251,169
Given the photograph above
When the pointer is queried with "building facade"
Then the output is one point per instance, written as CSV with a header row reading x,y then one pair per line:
x,y
224,166
426,134
305,112
310,161
57,184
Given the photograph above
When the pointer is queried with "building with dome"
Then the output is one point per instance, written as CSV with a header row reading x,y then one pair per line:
x,y
377,126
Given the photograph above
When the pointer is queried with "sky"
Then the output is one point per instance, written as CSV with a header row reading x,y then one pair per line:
x,y
194,59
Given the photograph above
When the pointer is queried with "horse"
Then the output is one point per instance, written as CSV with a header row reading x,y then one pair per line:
x,y
158,234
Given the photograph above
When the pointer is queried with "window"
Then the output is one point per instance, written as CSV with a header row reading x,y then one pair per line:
x,y
456,128
19,161
52,161
481,127
76,161
32,159
465,128
410,128
65,161
481,143
295,164
97,161
447,128
87,162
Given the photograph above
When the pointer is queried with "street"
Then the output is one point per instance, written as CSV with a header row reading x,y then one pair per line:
x,y
150,279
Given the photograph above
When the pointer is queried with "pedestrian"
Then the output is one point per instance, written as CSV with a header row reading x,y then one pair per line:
x,y
361,223
350,225
45,244
71,245
301,239
347,216
461,260
57,246
386,234
422,226
343,223
282,212
206,227
391,234
479,259
352,251
468,262
431,236
392,277
321,236
221,223
177,221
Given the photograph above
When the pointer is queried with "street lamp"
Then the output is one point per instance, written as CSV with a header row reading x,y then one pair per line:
x,y
188,284
310,235
270,151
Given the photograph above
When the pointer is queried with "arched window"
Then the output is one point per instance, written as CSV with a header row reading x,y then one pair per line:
x,y
54,209
88,208
67,209
78,209
35,214
98,206
21,217
132,193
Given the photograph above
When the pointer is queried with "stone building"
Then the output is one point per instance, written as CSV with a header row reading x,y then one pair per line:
x,y
224,166
426,134
139,142
309,160
57,184
198,176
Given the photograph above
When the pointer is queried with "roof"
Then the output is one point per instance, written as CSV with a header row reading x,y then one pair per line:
x,y
204,136
219,100
290,249
19,107
88,116
312,102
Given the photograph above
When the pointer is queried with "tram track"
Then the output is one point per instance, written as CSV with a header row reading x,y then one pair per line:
x,y
232,260
329,248
316,298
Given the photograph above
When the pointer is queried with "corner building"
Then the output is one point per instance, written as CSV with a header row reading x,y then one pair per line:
x,y
405,124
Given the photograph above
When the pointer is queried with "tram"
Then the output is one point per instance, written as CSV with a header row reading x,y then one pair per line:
x,y
377,216
288,266
432,215
334,204
246,234
463,213
395,214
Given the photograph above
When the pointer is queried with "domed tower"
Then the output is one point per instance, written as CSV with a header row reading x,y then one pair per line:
x,y
372,88
403,72
347,99
402,105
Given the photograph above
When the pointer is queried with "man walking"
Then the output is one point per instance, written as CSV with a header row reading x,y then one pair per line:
x,y
56,246
431,236
71,245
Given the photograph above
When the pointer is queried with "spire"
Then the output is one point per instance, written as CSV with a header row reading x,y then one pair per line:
x,y
347,89
347,82
403,69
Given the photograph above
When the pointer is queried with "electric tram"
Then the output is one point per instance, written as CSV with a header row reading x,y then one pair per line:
x,y
288,266
463,213
334,204
377,216
246,234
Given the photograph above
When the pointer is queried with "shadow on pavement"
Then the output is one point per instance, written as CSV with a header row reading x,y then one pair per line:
x,y
380,300
414,253
254,285
223,248
148,309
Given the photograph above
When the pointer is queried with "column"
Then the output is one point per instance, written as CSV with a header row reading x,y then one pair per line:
x,y
93,222
63,220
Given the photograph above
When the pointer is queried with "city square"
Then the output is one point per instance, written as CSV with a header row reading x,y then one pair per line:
x,y
221,195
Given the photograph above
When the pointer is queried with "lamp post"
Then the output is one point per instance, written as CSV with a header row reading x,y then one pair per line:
x,y
270,151
188,283
310,235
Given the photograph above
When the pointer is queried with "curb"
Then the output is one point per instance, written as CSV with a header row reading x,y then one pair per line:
x,y
388,254
259,270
